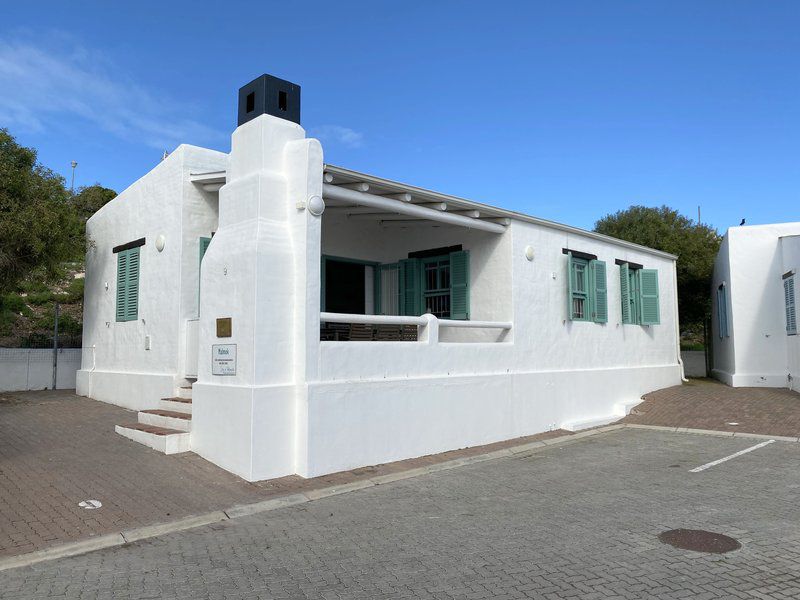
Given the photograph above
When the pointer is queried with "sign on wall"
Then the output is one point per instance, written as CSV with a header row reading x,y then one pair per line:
x,y
223,359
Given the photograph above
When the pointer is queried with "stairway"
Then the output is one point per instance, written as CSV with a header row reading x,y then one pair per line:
x,y
166,428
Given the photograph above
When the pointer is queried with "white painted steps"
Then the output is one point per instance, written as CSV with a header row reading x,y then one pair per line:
x,y
168,441
166,428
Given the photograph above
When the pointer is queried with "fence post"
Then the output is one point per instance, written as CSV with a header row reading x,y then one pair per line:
x,y
55,346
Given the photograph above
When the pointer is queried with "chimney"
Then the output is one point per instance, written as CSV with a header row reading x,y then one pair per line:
x,y
268,95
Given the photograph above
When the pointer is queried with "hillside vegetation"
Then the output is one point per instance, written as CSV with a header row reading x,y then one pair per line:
x,y
42,247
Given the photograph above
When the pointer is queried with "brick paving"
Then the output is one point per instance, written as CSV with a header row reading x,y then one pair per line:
x,y
58,449
575,521
708,404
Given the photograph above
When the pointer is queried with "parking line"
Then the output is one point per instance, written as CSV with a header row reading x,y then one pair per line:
x,y
722,460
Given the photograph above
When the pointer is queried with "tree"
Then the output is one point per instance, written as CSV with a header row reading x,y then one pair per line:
x,y
695,245
39,228
90,199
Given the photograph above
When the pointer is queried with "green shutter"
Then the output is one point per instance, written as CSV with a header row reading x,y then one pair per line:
x,y
624,292
204,242
410,288
132,302
648,285
722,312
128,285
791,313
570,275
122,284
459,285
600,292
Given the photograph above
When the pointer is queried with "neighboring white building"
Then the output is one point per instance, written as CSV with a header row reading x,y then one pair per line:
x,y
754,321
327,319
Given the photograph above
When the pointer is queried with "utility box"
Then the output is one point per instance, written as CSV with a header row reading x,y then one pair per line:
x,y
268,95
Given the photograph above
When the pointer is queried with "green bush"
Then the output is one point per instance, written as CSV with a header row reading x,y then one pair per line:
x,y
39,298
15,304
74,291
69,326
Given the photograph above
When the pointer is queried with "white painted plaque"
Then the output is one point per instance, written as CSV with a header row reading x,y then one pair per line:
x,y
223,359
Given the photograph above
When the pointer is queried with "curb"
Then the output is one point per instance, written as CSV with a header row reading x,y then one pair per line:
x,y
242,510
713,432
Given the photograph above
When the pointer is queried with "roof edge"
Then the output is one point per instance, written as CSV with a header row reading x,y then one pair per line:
x,y
502,212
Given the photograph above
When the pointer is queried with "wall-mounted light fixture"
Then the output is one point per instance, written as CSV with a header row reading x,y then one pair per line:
x,y
316,205
529,254
160,242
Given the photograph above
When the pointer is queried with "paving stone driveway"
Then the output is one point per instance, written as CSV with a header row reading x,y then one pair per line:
x,y
576,521
708,404
58,449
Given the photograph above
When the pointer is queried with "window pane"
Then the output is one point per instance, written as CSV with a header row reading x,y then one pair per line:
x,y
579,277
577,308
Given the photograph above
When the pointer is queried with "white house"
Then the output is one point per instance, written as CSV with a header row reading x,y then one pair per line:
x,y
754,321
323,319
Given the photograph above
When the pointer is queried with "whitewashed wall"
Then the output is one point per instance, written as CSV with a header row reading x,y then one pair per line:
x,y
724,349
757,316
375,402
32,369
163,202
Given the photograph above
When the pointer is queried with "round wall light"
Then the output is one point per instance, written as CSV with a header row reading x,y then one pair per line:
x,y
316,205
529,253
160,242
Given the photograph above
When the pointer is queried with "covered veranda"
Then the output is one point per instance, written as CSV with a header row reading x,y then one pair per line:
x,y
396,256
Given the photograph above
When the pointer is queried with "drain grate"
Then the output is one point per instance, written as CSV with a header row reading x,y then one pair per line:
x,y
699,540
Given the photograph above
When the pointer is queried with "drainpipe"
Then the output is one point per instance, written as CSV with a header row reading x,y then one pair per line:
x,y
677,320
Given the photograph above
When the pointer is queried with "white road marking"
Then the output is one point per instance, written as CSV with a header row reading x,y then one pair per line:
x,y
722,460
90,504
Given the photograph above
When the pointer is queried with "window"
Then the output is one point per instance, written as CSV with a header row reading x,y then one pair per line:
x,y
413,286
722,311
128,284
587,290
435,284
788,296
639,297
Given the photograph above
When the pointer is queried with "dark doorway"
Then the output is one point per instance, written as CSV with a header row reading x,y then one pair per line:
x,y
344,287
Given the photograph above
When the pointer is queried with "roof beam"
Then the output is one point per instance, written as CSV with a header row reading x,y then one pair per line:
x,y
365,199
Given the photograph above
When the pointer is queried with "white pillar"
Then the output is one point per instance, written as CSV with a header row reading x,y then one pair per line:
x,y
261,271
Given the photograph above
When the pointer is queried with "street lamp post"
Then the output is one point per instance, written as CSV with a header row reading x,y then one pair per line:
x,y
74,164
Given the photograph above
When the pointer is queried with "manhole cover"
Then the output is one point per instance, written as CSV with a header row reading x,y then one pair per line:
x,y
699,540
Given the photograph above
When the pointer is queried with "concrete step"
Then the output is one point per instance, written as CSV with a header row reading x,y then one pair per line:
x,y
181,405
168,419
185,392
168,441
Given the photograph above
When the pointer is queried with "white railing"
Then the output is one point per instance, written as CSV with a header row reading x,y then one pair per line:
x,y
476,324
328,317
428,324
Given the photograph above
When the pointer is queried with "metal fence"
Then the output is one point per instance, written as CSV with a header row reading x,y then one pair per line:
x,y
40,360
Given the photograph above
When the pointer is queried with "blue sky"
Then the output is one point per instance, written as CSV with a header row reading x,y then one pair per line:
x,y
565,110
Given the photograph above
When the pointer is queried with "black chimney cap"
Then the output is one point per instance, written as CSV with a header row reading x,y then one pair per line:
x,y
268,95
